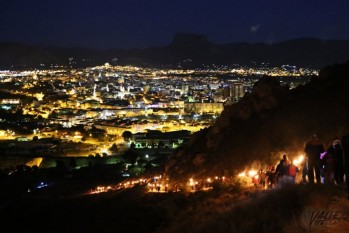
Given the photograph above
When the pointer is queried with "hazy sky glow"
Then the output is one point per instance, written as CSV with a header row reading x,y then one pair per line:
x,y
144,23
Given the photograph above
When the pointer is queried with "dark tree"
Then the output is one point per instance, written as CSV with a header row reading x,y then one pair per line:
x,y
72,163
114,148
161,144
148,166
130,156
60,164
126,135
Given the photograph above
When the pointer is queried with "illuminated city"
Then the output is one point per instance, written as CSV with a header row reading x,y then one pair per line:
x,y
174,116
68,104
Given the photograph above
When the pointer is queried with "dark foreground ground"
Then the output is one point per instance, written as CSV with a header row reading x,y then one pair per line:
x,y
295,208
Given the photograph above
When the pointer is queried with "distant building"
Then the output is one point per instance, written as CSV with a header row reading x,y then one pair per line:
x,y
185,89
10,101
157,139
22,139
213,108
236,91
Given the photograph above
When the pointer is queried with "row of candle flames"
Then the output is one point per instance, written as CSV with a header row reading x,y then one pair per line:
x,y
161,184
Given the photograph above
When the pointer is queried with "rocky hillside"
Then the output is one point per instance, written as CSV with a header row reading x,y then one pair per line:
x,y
266,123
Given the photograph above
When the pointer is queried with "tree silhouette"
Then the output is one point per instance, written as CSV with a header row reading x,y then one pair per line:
x,y
114,148
161,144
130,156
72,163
126,135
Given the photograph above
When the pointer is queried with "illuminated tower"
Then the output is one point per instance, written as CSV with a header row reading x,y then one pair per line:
x,y
185,89
236,91
94,91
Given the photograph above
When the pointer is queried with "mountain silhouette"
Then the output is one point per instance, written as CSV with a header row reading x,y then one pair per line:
x,y
186,50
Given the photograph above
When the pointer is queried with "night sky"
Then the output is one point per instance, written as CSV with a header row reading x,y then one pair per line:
x,y
144,23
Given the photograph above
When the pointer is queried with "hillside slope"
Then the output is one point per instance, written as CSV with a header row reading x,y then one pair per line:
x,y
267,123
293,209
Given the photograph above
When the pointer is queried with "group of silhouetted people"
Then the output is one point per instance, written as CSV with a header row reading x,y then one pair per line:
x,y
320,165
332,165
285,170
314,150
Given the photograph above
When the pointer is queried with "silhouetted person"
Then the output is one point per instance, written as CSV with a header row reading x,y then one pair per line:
x,y
271,177
336,152
262,178
292,172
305,170
345,146
329,162
313,149
281,168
